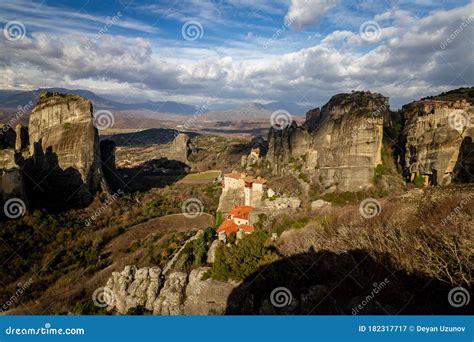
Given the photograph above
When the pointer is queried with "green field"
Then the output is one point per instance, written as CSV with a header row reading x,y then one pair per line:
x,y
201,177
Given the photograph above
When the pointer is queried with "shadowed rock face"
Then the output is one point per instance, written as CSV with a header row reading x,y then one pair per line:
x,y
337,147
437,137
64,141
181,148
11,178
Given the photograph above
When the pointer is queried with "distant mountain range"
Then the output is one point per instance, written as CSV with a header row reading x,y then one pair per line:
x,y
9,99
247,111
252,111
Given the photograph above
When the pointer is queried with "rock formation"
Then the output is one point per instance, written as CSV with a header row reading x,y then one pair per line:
x,y
141,288
206,296
22,137
7,137
181,148
64,150
112,179
134,288
171,299
11,178
337,147
437,137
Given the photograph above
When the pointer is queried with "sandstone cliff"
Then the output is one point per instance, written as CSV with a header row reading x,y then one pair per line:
x,y
337,147
11,177
64,150
181,148
438,141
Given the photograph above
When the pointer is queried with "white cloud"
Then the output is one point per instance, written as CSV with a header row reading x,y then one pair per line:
x,y
408,63
304,13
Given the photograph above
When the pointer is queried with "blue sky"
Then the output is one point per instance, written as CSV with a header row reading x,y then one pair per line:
x,y
302,51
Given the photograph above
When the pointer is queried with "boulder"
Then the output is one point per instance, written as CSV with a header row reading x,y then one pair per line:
x,y
211,253
171,299
319,204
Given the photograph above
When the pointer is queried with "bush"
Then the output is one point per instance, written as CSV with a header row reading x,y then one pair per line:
x,y
240,260
419,180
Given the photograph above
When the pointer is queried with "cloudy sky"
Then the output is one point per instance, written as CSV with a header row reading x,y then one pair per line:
x,y
232,51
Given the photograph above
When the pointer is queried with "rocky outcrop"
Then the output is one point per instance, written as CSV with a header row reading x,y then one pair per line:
x,y
171,299
211,253
7,137
319,204
337,147
229,199
206,296
181,148
437,137
133,288
272,207
22,138
11,178
112,179
12,185
64,150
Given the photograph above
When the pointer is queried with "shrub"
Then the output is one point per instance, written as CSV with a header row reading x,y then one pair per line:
x,y
419,180
240,260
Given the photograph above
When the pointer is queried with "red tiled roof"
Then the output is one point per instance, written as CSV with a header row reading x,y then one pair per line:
x,y
229,227
241,212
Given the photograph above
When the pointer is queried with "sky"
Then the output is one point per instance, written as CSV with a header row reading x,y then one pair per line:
x,y
227,52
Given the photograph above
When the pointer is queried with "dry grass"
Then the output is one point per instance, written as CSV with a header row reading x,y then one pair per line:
x,y
413,230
